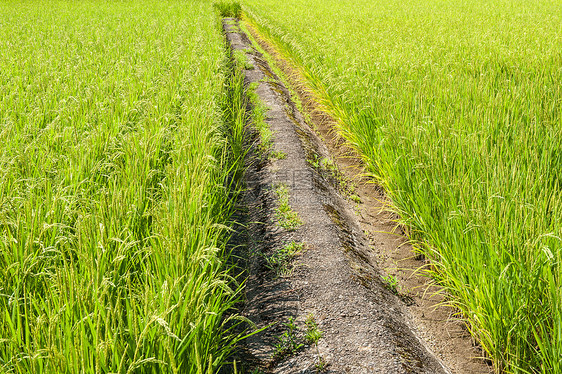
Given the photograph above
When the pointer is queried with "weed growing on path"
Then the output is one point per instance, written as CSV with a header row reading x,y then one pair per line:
x,y
280,260
259,115
242,60
289,342
287,218
391,282
313,335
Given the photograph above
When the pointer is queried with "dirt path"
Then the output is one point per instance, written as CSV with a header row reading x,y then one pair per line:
x,y
367,325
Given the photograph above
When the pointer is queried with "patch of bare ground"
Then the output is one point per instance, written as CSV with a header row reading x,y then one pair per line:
x,y
350,243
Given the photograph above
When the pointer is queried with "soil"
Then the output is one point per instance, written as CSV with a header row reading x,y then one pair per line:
x,y
351,247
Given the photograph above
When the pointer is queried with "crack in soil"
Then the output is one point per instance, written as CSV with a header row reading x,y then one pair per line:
x,y
367,327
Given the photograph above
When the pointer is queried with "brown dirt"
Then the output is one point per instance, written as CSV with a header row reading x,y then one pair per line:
x,y
349,247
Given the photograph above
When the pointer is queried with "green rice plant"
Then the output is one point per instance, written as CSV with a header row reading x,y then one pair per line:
x,y
121,125
455,106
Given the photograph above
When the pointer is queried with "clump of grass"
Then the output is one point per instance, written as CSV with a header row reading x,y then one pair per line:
x,y
280,260
391,282
287,218
312,336
293,340
289,342
277,155
329,169
242,60
228,9
259,115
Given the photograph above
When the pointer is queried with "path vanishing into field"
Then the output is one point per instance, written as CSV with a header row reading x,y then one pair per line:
x,y
352,252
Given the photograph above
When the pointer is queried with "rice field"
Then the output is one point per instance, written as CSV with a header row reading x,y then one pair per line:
x,y
121,130
456,108
121,127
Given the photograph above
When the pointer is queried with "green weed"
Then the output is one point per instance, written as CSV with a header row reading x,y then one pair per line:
x,y
289,342
313,334
242,60
329,169
391,282
280,260
259,115
277,155
287,218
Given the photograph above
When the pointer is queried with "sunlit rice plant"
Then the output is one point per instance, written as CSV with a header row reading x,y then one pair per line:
x,y
116,160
